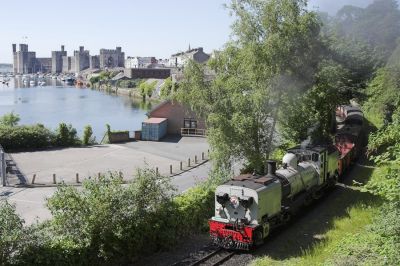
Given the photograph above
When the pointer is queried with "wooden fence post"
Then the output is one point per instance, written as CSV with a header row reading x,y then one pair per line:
x,y
181,166
189,162
202,156
170,169
77,178
33,178
54,179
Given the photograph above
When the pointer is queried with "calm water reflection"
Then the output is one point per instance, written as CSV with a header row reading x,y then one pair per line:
x,y
55,103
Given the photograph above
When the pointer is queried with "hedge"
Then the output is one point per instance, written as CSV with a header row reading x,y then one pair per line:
x,y
26,137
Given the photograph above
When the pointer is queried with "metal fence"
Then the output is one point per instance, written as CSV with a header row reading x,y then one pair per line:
x,y
3,166
193,132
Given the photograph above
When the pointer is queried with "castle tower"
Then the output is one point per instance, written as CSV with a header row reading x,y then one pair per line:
x,y
15,62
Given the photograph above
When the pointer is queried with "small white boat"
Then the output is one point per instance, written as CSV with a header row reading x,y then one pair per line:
x,y
41,83
32,83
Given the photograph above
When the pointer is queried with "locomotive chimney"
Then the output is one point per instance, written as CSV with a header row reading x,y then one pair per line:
x,y
271,167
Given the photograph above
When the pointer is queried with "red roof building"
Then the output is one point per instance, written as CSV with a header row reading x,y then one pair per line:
x,y
181,119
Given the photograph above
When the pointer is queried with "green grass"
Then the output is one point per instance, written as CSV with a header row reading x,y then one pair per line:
x,y
361,208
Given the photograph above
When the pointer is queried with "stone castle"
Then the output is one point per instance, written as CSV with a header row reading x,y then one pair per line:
x,y
26,62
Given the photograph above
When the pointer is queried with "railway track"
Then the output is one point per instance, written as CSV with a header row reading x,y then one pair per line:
x,y
215,258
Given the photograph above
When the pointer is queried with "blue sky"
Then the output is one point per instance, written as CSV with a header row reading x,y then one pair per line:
x,y
141,27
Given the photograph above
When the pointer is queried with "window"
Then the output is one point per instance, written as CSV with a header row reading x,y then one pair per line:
x,y
315,157
189,123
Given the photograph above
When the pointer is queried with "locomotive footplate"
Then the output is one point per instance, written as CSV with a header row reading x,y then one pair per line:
x,y
227,237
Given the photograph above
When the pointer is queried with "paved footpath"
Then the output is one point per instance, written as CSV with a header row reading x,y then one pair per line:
x,y
30,202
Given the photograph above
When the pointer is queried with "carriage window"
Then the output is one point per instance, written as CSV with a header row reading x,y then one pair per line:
x,y
315,157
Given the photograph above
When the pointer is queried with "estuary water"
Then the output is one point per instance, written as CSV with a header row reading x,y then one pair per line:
x,y
56,102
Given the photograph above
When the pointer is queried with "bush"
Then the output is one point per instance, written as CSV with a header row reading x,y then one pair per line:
x,y
25,137
88,136
109,224
11,234
9,120
196,205
94,80
66,135
128,83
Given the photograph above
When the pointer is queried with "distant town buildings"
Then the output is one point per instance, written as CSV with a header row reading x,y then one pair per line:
x,y
140,62
196,54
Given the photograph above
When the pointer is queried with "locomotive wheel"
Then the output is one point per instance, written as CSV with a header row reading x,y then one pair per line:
x,y
286,217
317,195
308,200
258,238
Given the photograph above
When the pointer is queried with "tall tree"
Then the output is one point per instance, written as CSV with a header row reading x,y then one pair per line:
x,y
273,54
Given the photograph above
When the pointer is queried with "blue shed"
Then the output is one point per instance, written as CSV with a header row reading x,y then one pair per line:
x,y
154,129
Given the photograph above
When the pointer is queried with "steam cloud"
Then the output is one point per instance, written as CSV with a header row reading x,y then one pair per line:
x,y
332,7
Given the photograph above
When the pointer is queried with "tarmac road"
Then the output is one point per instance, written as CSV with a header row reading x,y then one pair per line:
x,y
30,202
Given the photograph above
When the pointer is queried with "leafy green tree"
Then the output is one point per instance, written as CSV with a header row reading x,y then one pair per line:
x,y
275,55
9,119
313,112
143,90
166,88
150,88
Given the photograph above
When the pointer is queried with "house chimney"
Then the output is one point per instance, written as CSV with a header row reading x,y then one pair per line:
x,y
81,49
62,48
14,47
